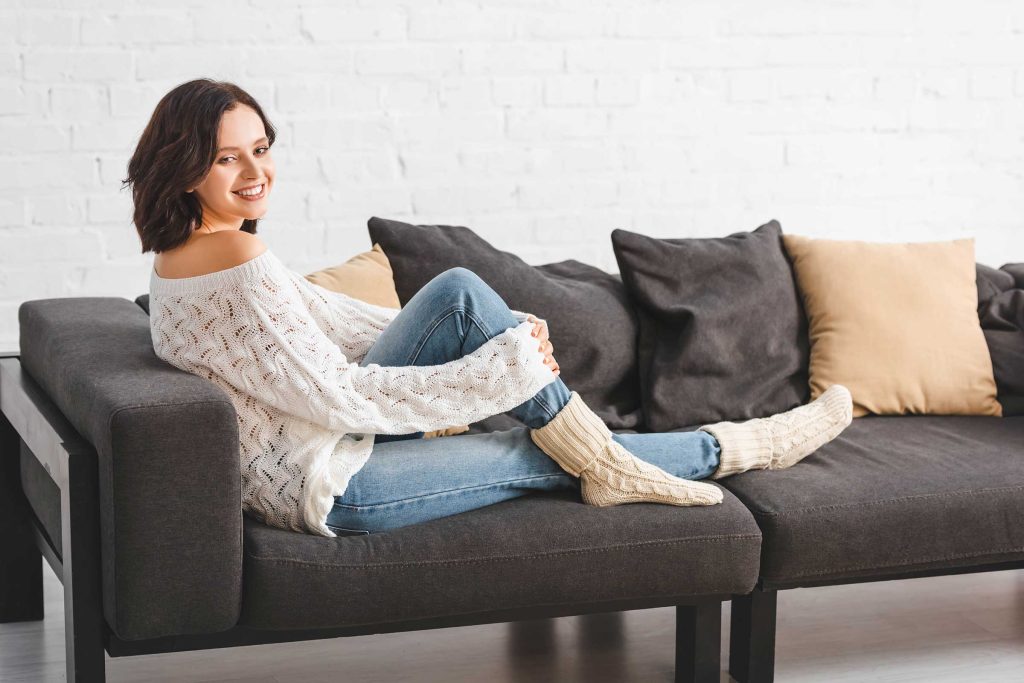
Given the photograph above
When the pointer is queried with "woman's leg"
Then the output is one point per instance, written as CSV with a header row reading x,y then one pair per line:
x,y
449,317
406,482
784,439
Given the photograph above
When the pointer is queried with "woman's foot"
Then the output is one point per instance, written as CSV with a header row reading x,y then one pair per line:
x,y
582,445
781,440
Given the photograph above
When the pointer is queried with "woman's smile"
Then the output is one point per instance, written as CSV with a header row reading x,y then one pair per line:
x,y
252,193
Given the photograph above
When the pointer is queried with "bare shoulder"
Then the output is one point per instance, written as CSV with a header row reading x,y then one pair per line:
x,y
210,253
230,248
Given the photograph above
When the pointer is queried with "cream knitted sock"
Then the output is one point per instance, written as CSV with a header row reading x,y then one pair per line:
x,y
582,445
781,440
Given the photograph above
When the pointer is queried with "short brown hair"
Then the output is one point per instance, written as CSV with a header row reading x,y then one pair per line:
x,y
175,152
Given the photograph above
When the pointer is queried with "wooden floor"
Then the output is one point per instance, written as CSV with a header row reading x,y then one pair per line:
x,y
955,628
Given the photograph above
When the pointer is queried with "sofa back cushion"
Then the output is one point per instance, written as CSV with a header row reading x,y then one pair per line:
x,y
1001,311
590,320
722,333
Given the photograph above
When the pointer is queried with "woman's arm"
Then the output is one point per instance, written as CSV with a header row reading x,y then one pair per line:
x,y
356,324
287,361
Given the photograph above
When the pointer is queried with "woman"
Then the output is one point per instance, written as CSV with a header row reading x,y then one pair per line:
x,y
319,379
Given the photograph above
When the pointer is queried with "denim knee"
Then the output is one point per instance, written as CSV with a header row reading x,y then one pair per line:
x,y
462,286
460,278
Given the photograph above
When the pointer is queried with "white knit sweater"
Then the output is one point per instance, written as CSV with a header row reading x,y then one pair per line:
x,y
287,352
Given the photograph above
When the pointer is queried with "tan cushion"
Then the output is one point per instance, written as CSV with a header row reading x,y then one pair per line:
x,y
897,324
447,431
366,276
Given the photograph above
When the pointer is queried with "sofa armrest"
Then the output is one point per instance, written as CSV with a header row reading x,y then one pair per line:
x,y
168,456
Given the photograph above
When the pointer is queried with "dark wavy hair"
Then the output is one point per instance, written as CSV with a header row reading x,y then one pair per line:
x,y
175,152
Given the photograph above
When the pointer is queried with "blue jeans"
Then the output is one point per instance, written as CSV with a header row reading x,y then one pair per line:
x,y
409,479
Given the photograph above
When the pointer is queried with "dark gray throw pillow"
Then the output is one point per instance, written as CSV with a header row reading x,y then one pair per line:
x,y
1001,313
590,321
723,335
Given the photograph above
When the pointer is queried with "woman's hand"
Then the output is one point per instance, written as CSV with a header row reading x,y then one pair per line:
x,y
540,331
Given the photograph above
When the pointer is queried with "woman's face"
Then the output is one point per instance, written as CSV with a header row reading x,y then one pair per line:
x,y
243,161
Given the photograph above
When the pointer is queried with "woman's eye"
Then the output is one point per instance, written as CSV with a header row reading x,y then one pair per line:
x,y
266,149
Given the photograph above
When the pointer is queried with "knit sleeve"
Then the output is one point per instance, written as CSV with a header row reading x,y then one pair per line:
x,y
280,356
521,317
355,324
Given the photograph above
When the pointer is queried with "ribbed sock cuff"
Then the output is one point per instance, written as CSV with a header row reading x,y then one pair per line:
x,y
831,411
573,437
799,432
742,446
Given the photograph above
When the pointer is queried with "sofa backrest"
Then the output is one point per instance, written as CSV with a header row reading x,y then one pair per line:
x,y
1000,311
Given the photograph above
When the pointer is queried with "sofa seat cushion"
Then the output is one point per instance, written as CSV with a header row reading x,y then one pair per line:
x,y
541,549
893,494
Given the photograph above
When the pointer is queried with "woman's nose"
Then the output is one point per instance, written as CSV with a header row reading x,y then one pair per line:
x,y
252,168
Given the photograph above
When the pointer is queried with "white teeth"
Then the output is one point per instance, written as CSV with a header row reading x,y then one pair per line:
x,y
249,193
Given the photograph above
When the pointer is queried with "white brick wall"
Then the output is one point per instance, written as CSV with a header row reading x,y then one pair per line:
x,y
541,124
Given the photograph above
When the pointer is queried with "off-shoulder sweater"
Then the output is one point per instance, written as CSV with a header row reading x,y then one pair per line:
x,y
287,353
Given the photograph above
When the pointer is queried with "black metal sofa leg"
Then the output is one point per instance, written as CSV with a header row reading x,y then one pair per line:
x,y
752,637
699,642
83,603
21,563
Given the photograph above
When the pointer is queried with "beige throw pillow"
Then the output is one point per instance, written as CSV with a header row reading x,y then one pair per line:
x,y
897,324
368,277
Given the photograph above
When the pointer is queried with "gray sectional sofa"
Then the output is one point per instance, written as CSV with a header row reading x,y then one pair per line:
x,y
122,473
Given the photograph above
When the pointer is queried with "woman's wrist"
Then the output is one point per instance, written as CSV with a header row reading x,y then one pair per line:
x,y
533,355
